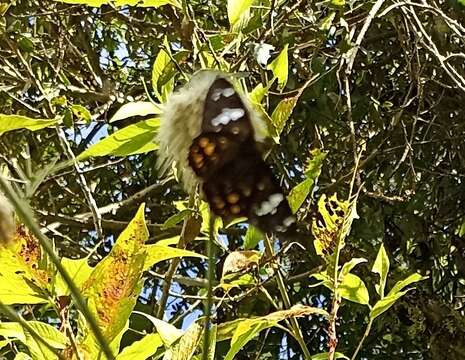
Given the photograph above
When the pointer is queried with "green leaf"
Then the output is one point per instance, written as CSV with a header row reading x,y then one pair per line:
x,y
141,349
157,253
381,267
79,271
385,303
324,279
176,218
406,282
168,333
15,122
81,113
281,114
252,237
18,283
133,139
395,293
137,108
22,356
244,330
36,348
237,8
299,193
139,3
162,88
353,288
324,356
348,266
338,3
327,21
279,67
258,93
461,228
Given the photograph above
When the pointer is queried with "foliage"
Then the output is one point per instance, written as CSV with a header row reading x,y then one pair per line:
x,y
363,99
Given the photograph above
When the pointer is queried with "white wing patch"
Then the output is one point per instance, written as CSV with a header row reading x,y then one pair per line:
x,y
227,115
222,92
270,206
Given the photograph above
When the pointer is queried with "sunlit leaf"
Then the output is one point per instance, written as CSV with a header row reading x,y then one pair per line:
x,y
114,285
237,8
133,139
279,67
258,93
157,253
139,3
186,346
169,334
406,282
354,289
281,115
141,349
162,61
381,267
324,356
240,261
79,271
348,266
81,113
16,122
244,330
327,21
137,108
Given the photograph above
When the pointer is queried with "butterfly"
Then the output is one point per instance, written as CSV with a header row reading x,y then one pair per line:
x,y
235,179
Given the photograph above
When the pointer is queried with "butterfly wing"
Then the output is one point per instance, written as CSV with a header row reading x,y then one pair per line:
x,y
236,180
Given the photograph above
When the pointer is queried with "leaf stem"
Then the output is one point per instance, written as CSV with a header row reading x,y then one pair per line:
x,y
365,335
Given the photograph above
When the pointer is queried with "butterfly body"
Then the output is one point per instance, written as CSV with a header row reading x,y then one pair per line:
x,y
226,160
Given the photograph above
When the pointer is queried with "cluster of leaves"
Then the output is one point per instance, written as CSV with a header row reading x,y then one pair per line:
x,y
356,95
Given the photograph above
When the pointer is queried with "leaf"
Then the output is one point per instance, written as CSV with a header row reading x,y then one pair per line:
x,y
133,139
162,61
252,237
385,303
138,3
168,333
185,347
157,253
136,108
348,266
279,67
324,279
257,94
327,21
299,193
114,285
15,122
237,8
245,330
395,293
79,271
354,289
176,218
81,113
36,348
281,115
324,356
338,3
406,282
240,261
20,284
141,349
381,267
461,228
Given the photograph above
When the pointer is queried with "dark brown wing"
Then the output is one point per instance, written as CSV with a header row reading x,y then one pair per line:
x,y
236,180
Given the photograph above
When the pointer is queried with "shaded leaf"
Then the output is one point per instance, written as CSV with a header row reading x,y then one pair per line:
x,y
157,253
81,113
281,115
141,349
381,267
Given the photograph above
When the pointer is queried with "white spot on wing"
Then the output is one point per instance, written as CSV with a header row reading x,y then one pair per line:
x,y
227,115
270,206
289,221
228,92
